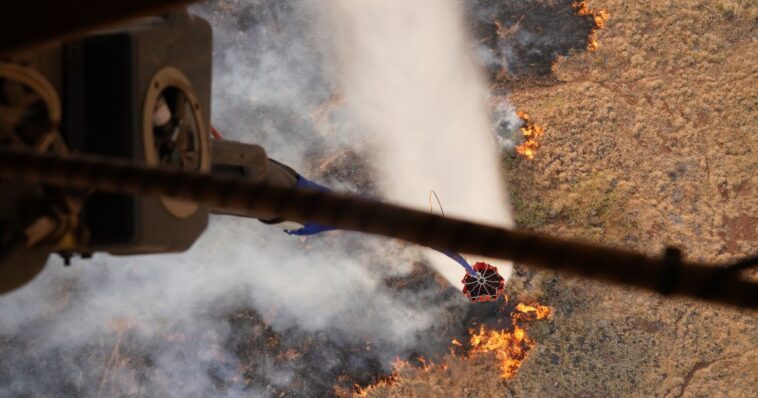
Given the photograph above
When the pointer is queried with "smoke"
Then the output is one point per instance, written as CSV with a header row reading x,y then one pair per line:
x,y
518,44
269,77
169,314
408,74
525,37
506,124
250,311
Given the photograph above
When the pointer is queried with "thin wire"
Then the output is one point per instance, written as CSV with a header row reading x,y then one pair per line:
x,y
431,210
433,194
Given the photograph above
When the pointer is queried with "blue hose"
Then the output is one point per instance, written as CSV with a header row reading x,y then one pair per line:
x,y
313,228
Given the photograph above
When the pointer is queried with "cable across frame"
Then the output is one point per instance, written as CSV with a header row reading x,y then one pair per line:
x,y
668,275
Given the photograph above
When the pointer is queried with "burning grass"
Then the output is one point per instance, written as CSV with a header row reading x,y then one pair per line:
x,y
599,17
509,347
522,39
532,134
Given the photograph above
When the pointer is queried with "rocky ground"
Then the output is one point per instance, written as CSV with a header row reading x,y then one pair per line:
x,y
651,141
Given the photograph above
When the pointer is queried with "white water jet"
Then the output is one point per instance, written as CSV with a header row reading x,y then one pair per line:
x,y
407,71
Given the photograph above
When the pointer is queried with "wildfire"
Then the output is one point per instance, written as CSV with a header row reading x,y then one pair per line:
x,y
510,347
399,367
384,382
540,311
532,133
598,16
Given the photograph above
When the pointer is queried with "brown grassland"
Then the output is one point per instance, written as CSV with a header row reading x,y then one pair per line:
x,y
651,141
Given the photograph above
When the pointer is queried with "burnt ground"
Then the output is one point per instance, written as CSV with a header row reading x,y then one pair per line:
x,y
650,141
524,38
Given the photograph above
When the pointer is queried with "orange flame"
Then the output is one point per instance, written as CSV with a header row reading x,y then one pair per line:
x,y
399,366
540,311
383,382
532,133
509,347
598,16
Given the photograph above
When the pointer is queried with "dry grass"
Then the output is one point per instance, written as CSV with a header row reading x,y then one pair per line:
x,y
651,141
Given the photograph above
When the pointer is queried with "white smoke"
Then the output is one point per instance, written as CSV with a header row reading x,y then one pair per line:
x,y
408,74
506,124
156,325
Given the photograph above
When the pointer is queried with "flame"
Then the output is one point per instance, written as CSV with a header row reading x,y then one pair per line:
x,y
532,133
399,367
510,347
599,17
540,311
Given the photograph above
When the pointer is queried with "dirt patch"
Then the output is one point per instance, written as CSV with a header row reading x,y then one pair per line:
x,y
742,228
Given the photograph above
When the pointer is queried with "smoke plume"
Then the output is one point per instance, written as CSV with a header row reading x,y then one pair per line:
x,y
248,310
348,93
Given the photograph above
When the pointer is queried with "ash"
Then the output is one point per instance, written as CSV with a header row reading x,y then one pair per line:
x,y
523,38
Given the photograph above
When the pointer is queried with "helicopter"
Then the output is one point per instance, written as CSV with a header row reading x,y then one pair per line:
x,y
78,89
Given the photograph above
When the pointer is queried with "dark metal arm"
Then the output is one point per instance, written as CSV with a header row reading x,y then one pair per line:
x,y
668,275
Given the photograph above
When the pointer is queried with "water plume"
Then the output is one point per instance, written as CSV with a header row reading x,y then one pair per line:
x,y
408,74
